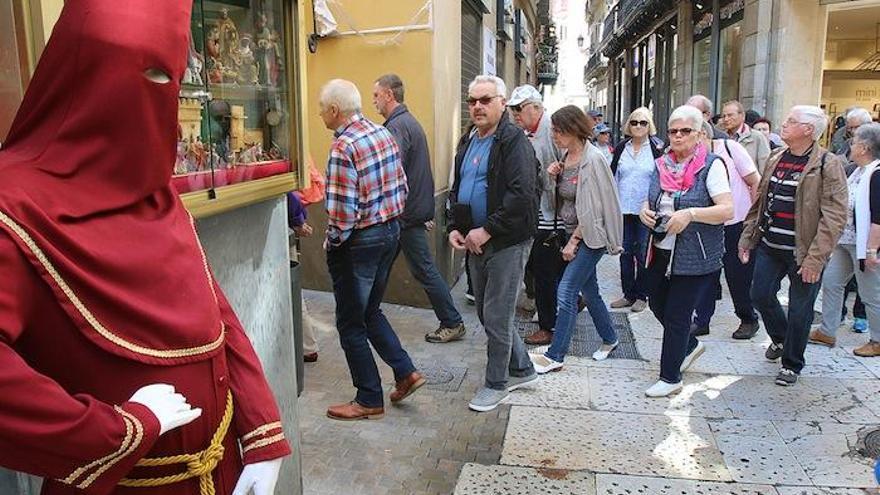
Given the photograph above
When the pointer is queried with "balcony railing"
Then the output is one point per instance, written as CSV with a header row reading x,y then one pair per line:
x,y
610,23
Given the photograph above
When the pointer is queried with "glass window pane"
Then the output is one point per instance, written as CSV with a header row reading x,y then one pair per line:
x,y
702,54
730,62
10,68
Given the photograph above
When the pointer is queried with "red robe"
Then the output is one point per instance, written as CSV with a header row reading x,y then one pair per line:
x,y
104,286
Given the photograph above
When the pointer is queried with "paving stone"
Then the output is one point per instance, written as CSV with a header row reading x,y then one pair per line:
x,y
567,389
676,446
812,399
476,479
624,390
755,453
803,490
612,484
828,452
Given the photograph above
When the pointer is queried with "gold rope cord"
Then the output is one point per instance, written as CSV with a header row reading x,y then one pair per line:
x,y
199,465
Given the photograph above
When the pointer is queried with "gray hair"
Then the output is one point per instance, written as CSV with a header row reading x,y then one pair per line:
x,y
860,115
344,94
701,102
814,116
392,82
870,135
687,112
708,130
500,87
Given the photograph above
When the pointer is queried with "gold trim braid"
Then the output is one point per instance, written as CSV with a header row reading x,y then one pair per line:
x,y
262,443
134,434
261,431
199,465
90,318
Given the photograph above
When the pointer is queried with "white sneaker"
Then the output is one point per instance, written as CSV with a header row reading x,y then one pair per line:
x,y
543,364
604,351
663,389
693,356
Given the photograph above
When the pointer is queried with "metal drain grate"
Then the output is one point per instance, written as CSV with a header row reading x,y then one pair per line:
x,y
440,376
871,444
585,340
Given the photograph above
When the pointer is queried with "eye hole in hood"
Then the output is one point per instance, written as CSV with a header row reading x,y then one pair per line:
x,y
157,76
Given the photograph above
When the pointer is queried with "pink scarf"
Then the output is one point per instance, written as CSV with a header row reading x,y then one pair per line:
x,y
679,181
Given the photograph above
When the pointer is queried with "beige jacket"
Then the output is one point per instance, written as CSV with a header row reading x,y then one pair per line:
x,y
598,207
820,208
758,147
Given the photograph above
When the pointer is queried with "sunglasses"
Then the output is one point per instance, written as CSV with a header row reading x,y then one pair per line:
x,y
636,123
485,100
684,131
519,108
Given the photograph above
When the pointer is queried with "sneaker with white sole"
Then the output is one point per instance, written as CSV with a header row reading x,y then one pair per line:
x,y
693,356
488,399
543,364
773,352
517,382
786,377
663,389
446,334
602,353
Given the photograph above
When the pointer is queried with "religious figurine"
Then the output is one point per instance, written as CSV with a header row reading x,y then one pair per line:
x,y
247,73
229,45
194,64
270,56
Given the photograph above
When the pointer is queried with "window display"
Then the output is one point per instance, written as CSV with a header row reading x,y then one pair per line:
x,y
234,118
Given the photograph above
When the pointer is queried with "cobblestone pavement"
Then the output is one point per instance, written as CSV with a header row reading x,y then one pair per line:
x,y
589,429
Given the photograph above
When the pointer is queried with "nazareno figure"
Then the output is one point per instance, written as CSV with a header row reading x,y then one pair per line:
x,y
111,322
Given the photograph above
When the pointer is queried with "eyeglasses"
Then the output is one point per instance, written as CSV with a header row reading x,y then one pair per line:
x,y
793,122
684,131
484,100
519,108
636,123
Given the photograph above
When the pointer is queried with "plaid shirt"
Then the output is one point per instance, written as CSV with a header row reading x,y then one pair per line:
x,y
366,184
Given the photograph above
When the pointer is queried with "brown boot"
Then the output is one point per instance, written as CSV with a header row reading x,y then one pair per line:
x,y
353,411
871,349
541,337
817,337
405,387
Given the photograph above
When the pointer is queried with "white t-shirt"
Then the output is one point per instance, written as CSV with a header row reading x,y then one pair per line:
x,y
716,182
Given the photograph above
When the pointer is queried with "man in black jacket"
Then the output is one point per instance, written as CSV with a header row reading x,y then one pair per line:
x,y
418,214
494,205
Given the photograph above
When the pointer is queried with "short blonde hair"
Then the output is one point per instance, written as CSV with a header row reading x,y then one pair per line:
x,y
641,113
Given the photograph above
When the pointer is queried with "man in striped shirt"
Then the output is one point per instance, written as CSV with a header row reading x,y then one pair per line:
x,y
793,227
366,191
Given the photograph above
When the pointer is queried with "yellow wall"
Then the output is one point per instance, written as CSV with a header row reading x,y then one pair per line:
x,y
362,59
447,89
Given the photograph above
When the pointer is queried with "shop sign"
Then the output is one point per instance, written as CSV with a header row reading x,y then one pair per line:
x,y
489,65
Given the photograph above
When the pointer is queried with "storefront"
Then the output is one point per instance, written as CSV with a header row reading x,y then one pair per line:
x,y
717,49
240,149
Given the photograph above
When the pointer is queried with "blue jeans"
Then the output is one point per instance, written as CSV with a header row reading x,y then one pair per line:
x,y
739,282
792,330
359,269
632,259
414,244
580,277
547,266
672,300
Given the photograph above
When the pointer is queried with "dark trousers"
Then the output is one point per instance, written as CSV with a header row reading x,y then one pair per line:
x,y
791,330
739,283
359,269
632,259
858,306
672,300
414,244
547,267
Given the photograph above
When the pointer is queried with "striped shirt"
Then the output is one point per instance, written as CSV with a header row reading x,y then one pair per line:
x,y
366,184
781,193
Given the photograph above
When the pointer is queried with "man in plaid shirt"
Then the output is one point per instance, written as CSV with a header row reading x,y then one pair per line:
x,y
366,192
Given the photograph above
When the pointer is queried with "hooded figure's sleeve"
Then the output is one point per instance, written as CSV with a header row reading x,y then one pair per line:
x,y
74,439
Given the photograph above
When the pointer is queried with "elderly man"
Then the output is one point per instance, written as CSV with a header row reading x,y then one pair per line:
x,y
855,118
545,264
733,119
418,214
806,182
597,116
705,106
493,205
366,190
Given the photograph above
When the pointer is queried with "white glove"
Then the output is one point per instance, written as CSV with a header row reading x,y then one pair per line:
x,y
169,407
259,477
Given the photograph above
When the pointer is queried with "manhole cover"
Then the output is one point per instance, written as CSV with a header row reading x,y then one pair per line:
x,y
871,447
586,340
440,376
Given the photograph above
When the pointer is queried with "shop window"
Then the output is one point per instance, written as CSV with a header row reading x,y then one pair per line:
x,y
11,66
234,113
729,62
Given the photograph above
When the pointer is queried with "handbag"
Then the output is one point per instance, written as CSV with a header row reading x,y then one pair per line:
x,y
554,240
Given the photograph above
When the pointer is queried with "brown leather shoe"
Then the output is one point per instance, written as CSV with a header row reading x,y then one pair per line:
x,y
310,357
817,337
541,337
353,411
405,387
871,349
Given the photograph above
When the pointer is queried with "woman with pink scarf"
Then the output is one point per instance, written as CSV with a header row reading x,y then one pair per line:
x,y
688,202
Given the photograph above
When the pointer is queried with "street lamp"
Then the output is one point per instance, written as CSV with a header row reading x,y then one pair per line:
x,y
580,41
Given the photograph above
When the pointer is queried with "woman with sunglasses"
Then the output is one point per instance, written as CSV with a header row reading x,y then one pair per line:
x,y
688,202
590,211
633,165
